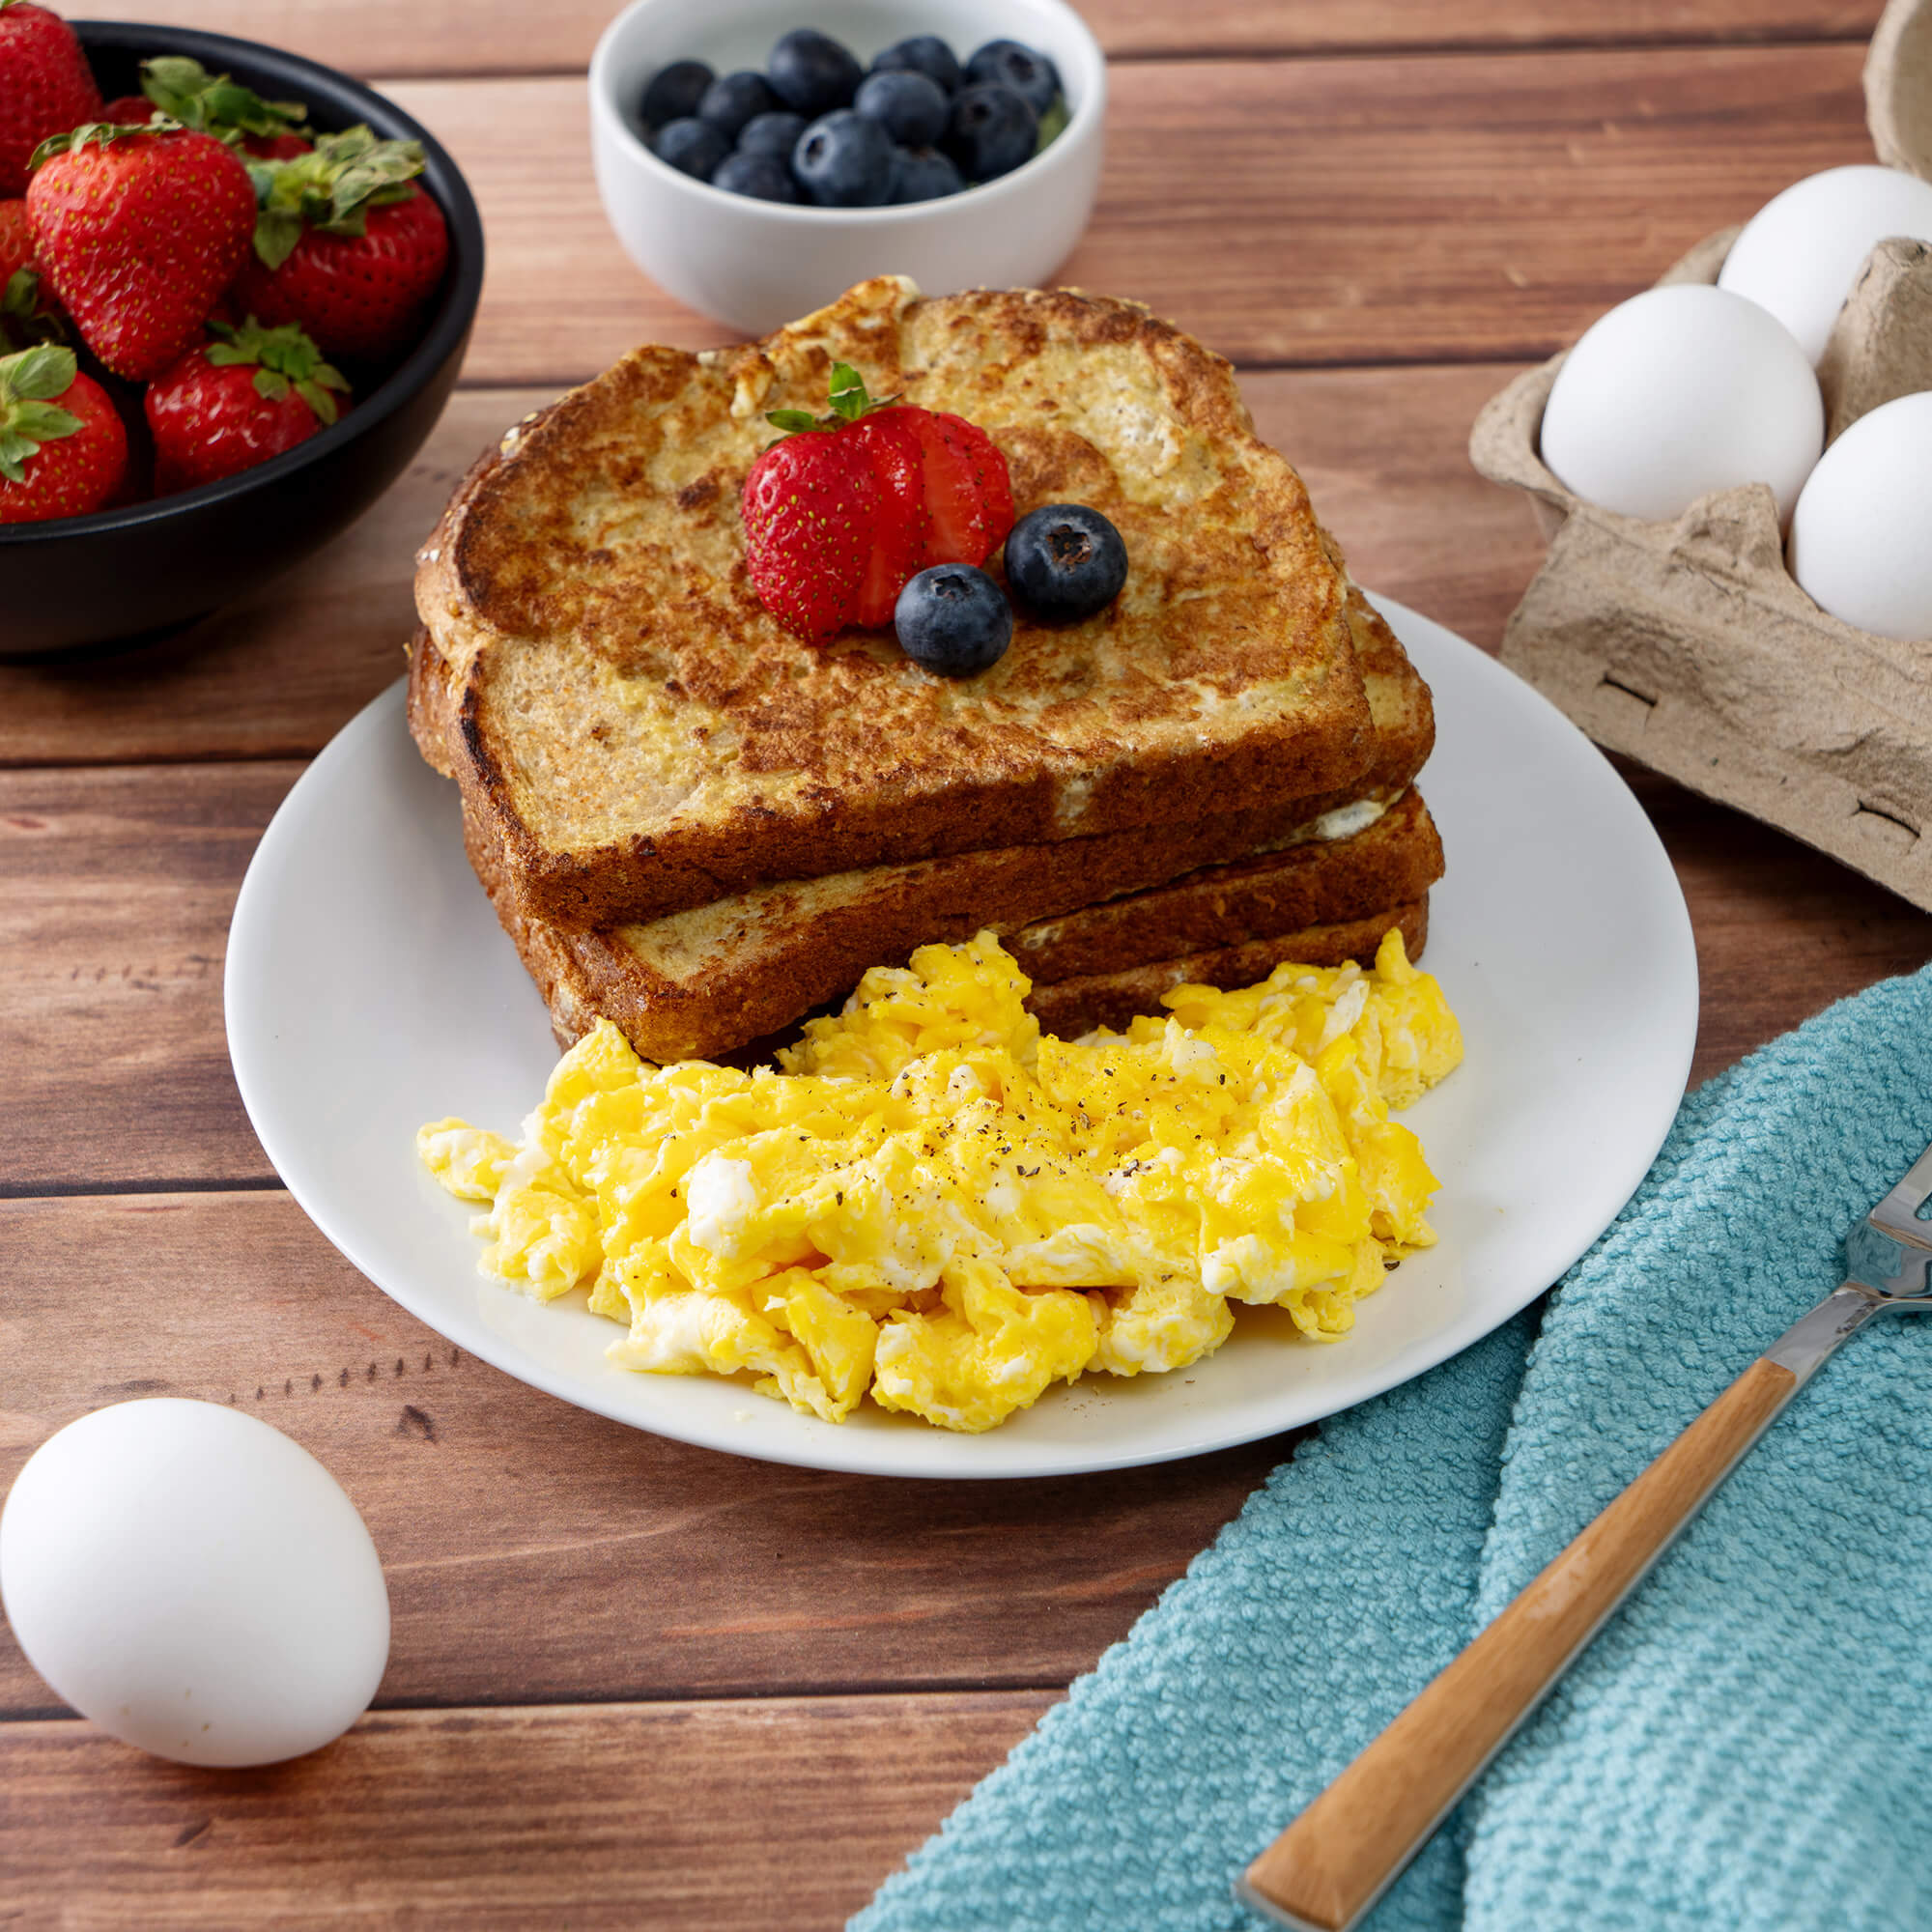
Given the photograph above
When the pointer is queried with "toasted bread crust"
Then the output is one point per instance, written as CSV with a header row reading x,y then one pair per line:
x,y
1070,1007
640,736
1222,908
583,976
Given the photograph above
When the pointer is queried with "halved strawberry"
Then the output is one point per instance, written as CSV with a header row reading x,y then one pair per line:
x,y
968,492
810,506
890,439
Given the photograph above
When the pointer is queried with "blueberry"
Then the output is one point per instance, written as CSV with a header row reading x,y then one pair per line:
x,y
763,177
692,147
922,53
1064,560
843,160
910,107
673,93
773,134
812,73
1031,75
991,132
922,174
734,99
954,619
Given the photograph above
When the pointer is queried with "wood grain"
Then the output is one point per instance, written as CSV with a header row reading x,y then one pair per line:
x,y
1386,209
536,1552
369,36
677,1817
115,892
1336,1858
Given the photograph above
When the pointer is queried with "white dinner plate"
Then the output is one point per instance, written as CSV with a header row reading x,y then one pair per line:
x,y
369,989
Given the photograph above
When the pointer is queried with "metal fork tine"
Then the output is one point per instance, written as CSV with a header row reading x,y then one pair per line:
x,y
1900,1208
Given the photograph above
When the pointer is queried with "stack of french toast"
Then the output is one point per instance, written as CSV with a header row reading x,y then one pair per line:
x,y
701,828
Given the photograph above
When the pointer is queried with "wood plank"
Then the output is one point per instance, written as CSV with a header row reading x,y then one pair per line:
x,y
278,674
368,37
539,1553
115,892
711,1815
1454,207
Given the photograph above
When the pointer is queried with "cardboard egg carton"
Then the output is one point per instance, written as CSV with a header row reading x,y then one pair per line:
x,y
1688,645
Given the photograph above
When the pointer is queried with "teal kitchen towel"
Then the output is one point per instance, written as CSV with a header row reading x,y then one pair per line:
x,y
1748,1743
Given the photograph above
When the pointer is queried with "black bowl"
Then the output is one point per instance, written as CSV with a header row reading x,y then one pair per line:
x,y
120,575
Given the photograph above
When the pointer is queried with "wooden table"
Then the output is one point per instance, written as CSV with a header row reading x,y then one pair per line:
x,y
635,1683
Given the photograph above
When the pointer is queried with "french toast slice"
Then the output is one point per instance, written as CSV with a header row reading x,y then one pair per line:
x,y
695,981
1070,1007
635,736
1311,883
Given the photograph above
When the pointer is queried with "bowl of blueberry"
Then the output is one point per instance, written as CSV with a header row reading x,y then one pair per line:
x,y
755,161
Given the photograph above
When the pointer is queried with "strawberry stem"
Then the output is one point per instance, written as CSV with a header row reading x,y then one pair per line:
x,y
284,358
849,402
332,188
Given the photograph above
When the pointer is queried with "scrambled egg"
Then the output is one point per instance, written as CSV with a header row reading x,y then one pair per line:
x,y
935,1204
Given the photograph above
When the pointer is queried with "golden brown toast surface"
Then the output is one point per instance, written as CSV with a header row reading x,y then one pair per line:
x,y
638,735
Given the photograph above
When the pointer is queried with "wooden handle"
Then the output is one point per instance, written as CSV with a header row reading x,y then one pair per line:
x,y
1334,1861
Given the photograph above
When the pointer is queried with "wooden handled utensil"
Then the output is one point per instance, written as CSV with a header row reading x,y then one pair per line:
x,y
1345,1851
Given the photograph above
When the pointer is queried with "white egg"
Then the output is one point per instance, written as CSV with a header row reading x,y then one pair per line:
x,y
194,1582
1862,535
1677,392
1799,253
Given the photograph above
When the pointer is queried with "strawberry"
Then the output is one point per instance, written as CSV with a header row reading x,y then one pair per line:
x,y
968,492
937,492
128,110
236,401
347,245
891,440
139,230
26,315
46,86
211,103
809,506
63,448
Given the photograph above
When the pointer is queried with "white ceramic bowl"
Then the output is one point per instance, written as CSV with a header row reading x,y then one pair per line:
x,y
759,264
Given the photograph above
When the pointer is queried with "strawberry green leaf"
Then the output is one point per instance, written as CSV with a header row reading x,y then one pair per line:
x,y
100,134
849,402
848,392
277,233
28,379
270,384
34,375
213,103
333,188
45,422
319,399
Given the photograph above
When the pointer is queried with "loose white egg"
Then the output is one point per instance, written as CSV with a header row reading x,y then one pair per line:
x,y
1677,392
1799,253
1862,535
194,1582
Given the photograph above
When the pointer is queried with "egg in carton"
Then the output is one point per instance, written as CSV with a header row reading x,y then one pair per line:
x,y
1688,645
